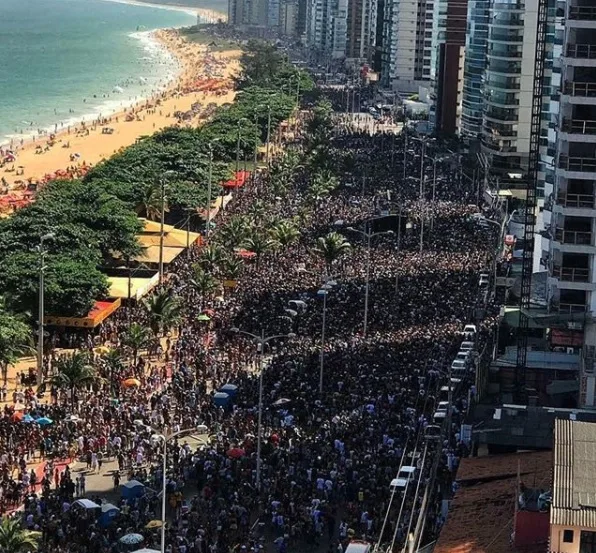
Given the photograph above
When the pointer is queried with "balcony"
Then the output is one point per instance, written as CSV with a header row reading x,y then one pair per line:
x,y
573,237
576,201
572,308
570,274
577,164
578,126
581,51
582,13
576,89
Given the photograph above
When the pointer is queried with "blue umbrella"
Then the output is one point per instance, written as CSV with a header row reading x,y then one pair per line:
x,y
131,539
44,421
28,418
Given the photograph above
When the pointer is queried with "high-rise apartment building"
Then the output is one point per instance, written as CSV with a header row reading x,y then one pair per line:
x,y
405,53
327,28
472,106
447,66
509,85
362,28
569,244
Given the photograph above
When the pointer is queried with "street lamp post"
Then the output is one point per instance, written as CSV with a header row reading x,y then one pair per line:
x,y
368,236
260,341
164,480
209,179
40,325
162,217
268,132
324,291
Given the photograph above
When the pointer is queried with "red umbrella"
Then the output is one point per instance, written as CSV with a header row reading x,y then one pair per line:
x,y
245,254
235,453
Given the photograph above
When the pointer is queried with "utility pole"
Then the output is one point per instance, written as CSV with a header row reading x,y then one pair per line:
x,y
162,217
238,149
209,178
40,323
268,131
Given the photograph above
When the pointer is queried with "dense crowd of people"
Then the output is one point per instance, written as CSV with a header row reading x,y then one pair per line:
x,y
327,458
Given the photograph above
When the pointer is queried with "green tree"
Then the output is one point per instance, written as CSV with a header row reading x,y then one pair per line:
x,y
137,337
232,268
112,362
15,539
259,244
285,233
330,248
150,202
15,338
74,371
234,232
211,258
202,283
165,310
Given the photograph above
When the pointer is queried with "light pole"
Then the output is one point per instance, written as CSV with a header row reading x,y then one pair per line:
x,y
260,341
324,292
268,132
368,236
422,141
162,217
238,144
40,326
209,179
164,480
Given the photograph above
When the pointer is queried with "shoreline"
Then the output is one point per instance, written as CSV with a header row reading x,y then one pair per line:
x,y
17,141
204,13
70,152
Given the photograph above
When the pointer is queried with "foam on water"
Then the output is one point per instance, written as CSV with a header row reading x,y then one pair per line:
x,y
149,69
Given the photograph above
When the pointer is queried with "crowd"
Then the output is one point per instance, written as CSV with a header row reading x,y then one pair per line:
x,y
327,459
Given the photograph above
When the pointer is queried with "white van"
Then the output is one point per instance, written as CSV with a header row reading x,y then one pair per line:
x,y
405,474
459,368
358,546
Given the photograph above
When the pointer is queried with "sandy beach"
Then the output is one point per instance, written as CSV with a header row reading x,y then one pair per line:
x,y
70,152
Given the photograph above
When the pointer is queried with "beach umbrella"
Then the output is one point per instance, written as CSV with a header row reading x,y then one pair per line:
x,y
44,421
203,317
153,524
18,407
245,254
131,539
235,453
131,383
17,417
28,419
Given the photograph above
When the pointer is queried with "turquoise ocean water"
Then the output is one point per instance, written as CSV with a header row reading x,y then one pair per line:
x,y
61,60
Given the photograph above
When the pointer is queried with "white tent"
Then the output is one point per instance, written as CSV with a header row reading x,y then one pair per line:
x,y
145,550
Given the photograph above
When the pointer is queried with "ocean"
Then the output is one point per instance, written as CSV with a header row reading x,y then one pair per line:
x,y
64,60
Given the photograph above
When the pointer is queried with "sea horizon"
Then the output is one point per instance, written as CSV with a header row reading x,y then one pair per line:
x,y
85,66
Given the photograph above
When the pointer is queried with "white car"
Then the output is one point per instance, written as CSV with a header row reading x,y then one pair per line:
x,y
404,475
466,346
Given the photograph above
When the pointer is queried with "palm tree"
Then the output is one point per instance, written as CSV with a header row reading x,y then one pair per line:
x,y
151,202
74,371
112,360
232,268
321,186
259,243
203,283
331,247
15,338
212,257
233,234
285,233
164,310
15,539
136,338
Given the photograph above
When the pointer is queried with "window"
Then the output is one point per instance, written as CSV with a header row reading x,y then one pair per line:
x,y
587,542
568,536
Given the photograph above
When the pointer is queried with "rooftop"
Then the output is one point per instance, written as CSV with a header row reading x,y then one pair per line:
x,y
481,515
574,490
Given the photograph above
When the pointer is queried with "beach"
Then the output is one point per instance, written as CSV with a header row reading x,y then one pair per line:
x,y
71,151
